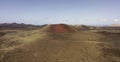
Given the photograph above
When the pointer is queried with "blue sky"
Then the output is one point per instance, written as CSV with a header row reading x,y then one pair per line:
x,y
88,12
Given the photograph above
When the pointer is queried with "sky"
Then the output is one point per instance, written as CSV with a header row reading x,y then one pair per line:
x,y
88,12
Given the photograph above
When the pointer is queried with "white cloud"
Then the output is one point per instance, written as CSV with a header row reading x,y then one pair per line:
x,y
110,20
116,20
105,20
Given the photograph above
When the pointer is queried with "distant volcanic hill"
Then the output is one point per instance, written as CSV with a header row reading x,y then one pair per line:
x,y
59,28
115,25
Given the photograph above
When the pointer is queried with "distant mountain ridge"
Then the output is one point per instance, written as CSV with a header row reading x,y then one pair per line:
x,y
16,26
58,27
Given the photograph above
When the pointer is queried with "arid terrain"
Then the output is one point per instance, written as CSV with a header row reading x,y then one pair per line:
x,y
59,43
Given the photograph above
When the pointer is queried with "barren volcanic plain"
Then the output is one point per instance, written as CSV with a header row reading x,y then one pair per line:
x,y
60,43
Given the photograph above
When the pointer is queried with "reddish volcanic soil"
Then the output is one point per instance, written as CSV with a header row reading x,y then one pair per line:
x,y
60,28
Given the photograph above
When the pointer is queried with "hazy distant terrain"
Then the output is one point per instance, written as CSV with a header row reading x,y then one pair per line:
x,y
59,43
